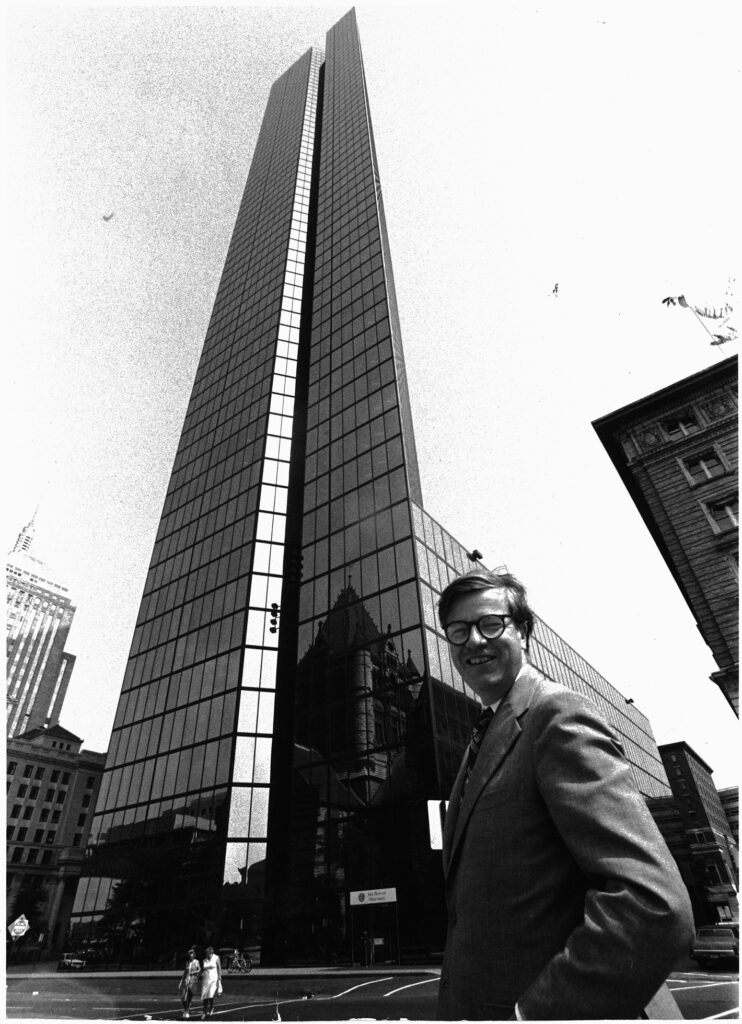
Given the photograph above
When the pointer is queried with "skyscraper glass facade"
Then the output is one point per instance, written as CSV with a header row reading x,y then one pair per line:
x,y
289,709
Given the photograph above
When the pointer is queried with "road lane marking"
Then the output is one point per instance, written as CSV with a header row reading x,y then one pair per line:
x,y
139,1009
232,1008
119,1012
702,974
374,981
724,1013
709,984
425,981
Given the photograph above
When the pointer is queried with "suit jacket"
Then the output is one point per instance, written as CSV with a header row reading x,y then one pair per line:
x,y
562,895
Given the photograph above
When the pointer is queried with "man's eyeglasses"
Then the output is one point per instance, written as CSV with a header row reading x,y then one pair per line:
x,y
489,626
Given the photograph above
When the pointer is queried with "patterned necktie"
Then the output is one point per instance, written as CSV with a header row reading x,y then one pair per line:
x,y
480,728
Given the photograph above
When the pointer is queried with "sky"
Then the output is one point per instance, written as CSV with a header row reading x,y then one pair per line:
x,y
521,146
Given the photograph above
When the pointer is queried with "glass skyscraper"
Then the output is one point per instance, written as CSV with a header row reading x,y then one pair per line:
x,y
289,713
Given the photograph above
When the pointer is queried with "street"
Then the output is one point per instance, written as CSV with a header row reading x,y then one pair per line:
x,y
298,995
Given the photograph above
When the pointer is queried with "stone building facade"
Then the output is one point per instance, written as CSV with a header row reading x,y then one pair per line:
x,y
39,613
51,790
697,830
676,452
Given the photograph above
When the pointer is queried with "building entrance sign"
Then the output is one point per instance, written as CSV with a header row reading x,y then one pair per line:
x,y
365,897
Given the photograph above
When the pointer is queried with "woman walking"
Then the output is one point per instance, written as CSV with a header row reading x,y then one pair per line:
x,y
189,982
211,981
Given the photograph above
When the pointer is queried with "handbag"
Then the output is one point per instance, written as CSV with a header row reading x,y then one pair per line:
x,y
219,989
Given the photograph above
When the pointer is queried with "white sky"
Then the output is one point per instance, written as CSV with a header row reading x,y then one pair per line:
x,y
520,146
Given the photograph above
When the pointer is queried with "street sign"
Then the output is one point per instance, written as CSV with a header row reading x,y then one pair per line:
x,y
364,897
19,927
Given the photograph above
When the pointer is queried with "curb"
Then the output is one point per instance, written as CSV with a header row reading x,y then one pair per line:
x,y
262,974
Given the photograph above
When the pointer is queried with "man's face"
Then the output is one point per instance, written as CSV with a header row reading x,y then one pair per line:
x,y
488,666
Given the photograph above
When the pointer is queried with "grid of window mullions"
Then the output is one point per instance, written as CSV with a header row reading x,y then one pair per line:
x,y
249,799
231,406
245,362
197,482
225,300
282,387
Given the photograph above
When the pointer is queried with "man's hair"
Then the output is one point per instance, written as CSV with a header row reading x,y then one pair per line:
x,y
484,579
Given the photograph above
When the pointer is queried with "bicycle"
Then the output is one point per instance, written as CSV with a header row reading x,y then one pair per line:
x,y
240,965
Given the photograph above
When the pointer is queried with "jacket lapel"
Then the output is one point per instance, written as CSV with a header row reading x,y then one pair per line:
x,y
503,731
452,813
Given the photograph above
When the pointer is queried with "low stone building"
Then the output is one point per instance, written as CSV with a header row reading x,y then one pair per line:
x,y
52,787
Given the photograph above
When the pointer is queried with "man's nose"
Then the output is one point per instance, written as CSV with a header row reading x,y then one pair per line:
x,y
475,637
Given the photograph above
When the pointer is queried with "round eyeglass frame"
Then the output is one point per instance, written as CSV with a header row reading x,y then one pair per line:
x,y
486,632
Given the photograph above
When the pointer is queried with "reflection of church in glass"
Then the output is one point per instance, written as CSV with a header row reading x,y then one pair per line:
x,y
289,709
356,700
362,750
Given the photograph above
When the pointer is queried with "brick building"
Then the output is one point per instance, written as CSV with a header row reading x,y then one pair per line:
x,y
676,452
697,830
52,786
730,802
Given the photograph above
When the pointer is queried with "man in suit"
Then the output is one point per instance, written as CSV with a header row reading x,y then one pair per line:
x,y
563,900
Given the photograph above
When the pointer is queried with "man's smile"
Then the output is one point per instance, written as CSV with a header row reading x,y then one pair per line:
x,y
480,659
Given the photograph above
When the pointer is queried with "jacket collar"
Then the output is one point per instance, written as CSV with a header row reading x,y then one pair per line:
x,y
525,685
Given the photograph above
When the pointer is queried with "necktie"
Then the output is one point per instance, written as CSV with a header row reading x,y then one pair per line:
x,y
480,728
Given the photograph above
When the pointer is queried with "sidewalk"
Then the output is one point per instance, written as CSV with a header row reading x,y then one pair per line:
x,y
48,969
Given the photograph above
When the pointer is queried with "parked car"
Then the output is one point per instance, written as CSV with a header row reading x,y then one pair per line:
x,y
715,942
70,962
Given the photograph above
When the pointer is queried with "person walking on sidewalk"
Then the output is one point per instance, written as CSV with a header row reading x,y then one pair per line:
x,y
189,982
211,982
